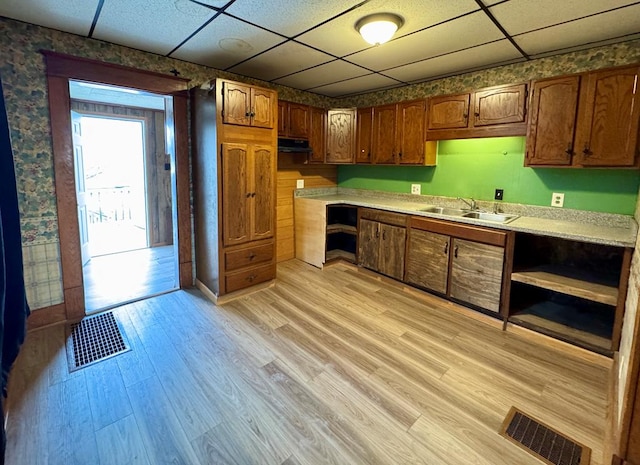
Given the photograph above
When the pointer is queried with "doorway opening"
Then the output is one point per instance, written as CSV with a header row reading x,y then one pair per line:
x,y
125,189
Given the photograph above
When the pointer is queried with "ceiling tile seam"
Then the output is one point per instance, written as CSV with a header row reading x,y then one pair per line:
x,y
371,71
349,10
502,29
95,18
206,23
442,55
356,77
211,7
414,32
364,92
469,70
576,19
583,46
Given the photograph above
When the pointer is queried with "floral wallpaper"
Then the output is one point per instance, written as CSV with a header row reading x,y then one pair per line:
x,y
25,89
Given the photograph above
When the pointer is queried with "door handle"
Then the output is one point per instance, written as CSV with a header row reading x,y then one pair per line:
x,y
252,256
446,248
586,150
569,150
248,194
455,251
384,235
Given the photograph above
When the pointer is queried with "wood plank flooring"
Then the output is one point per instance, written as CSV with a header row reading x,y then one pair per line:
x,y
332,366
121,277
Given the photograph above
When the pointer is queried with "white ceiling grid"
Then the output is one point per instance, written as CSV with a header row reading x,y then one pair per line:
x,y
313,45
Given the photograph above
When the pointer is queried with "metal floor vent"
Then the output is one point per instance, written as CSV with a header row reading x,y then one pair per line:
x,y
542,441
94,339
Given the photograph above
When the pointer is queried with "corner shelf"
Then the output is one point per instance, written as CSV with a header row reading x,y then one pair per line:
x,y
341,233
341,228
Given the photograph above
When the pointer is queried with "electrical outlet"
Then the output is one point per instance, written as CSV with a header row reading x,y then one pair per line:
x,y
557,199
415,189
499,194
299,183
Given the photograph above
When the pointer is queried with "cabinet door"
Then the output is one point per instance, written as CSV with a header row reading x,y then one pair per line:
x,y
236,194
298,121
368,244
476,273
392,249
263,195
552,121
236,104
283,118
428,260
364,133
411,132
607,132
384,134
317,134
341,136
499,105
448,112
262,107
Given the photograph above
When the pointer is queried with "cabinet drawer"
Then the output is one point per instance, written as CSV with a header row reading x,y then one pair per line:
x,y
396,219
247,278
466,231
248,257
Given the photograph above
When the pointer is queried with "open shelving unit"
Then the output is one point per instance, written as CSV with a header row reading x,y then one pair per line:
x,y
342,233
570,290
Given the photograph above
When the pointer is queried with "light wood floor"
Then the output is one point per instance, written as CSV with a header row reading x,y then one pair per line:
x,y
116,278
326,367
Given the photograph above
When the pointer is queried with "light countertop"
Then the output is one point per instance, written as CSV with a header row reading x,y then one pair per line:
x,y
584,226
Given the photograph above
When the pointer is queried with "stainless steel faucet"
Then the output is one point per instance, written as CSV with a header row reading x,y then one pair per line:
x,y
471,202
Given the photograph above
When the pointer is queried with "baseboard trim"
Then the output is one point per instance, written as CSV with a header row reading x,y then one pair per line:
x,y
47,316
221,300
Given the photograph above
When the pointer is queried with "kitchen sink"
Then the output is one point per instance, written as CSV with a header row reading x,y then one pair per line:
x,y
493,217
445,211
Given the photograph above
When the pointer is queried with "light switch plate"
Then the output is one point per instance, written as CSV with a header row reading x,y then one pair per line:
x,y
415,189
557,199
299,183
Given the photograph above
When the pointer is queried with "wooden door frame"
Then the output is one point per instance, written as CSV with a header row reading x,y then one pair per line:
x,y
60,69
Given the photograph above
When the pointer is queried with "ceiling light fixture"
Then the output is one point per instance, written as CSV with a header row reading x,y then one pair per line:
x,y
379,28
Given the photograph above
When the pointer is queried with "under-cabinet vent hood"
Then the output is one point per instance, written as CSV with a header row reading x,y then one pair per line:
x,y
294,146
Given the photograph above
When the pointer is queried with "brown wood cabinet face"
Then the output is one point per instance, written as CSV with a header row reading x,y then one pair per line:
x,y
262,102
383,147
476,273
428,260
411,132
392,250
236,195
318,134
449,112
236,104
298,121
341,136
368,244
552,121
609,115
262,196
283,118
504,104
364,133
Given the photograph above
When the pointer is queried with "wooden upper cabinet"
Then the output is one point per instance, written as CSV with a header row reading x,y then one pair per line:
x,y
317,134
449,112
247,105
609,113
364,134
499,105
411,132
552,121
293,120
383,147
248,197
341,136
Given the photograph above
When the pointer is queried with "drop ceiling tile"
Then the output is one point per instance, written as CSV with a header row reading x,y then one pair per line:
x,y
337,70
518,16
457,63
73,16
288,17
357,85
461,33
341,38
156,26
224,42
287,58
601,27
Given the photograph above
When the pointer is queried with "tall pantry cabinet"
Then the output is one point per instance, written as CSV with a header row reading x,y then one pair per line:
x,y
234,140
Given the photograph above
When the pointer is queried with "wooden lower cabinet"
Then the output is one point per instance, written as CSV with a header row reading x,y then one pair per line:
x,y
428,260
464,262
381,246
476,273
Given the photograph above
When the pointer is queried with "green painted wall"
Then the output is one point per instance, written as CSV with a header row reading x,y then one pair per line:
x,y
476,167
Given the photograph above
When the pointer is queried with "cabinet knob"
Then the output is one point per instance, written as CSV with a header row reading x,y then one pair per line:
x,y
250,278
455,251
586,150
384,235
477,114
399,154
248,194
446,248
253,194
252,256
569,150
377,234
247,114
465,115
